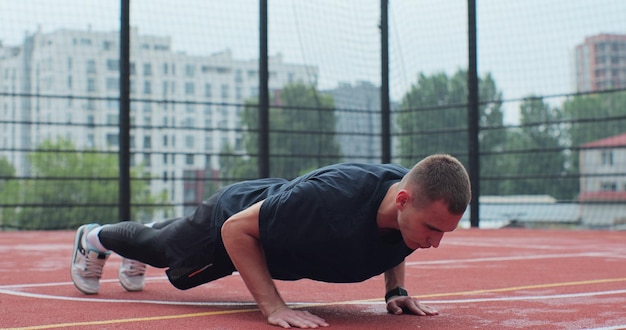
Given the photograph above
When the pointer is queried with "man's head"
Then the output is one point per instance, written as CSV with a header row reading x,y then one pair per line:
x,y
431,199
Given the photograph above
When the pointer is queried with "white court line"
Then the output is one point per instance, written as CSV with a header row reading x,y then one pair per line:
x,y
354,302
41,285
507,245
509,258
521,245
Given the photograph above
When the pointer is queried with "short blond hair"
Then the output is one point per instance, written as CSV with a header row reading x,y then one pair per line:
x,y
439,177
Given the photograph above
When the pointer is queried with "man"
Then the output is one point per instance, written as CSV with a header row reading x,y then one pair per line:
x,y
341,223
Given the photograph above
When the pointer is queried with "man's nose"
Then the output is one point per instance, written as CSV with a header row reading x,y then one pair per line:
x,y
435,239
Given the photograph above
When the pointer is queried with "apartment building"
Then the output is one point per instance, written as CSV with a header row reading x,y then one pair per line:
x,y
600,63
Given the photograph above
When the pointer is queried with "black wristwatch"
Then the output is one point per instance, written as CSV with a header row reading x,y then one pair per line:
x,y
399,292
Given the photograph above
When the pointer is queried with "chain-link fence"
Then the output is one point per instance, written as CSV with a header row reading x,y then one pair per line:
x,y
550,112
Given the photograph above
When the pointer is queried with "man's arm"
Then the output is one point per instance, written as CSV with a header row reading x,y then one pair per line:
x,y
240,234
394,278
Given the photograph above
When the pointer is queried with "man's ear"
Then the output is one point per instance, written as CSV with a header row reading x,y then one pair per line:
x,y
403,198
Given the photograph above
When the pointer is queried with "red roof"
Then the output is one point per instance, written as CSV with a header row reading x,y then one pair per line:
x,y
604,196
612,141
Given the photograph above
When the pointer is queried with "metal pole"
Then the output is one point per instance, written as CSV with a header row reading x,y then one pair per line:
x,y
124,128
264,158
385,108
473,114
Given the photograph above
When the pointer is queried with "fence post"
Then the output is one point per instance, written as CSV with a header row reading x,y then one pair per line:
x,y
264,158
124,127
384,87
473,113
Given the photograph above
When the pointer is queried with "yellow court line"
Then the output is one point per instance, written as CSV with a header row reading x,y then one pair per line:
x,y
434,295
137,319
527,287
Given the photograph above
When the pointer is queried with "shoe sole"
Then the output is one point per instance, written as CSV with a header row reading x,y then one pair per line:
x,y
128,288
77,238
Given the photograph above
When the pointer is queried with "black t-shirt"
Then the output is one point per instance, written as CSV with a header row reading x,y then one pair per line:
x,y
322,225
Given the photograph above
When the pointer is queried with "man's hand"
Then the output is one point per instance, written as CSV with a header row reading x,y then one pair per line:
x,y
286,318
399,305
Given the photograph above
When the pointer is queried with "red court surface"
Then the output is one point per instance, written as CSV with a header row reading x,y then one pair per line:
x,y
477,279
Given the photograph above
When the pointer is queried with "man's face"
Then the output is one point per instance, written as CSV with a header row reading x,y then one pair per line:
x,y
424,228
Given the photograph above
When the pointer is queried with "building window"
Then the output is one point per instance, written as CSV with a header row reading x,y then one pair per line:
x,y
112,104
147,69
608,186
607,157
91,141
238,93
112,139
189,159
113,119
91,85
207,90
146,160
91,66
147,142
147,87
224,91
113,84
113,65
189,142
107,45
90,105
190,70
238,76
189,88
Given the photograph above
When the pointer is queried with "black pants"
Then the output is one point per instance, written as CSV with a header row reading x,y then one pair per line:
x,y
190,247
136,241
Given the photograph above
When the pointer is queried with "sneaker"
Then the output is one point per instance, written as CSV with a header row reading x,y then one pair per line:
x,y
132,274
87,264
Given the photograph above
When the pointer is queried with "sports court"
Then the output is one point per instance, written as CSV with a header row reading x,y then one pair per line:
x,y
477,279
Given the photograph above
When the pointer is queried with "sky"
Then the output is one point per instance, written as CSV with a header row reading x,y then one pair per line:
x,y
525,45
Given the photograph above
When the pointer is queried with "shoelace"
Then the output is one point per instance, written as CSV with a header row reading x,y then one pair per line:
x,y
134,267
93,268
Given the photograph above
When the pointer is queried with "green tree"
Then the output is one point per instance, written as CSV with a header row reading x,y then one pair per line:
x,y
537,157
9,193
81,187
302,125
433,119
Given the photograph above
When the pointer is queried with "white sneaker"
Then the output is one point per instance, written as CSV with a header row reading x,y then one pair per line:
x,y
132,274
87,264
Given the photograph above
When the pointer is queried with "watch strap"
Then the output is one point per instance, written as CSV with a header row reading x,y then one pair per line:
x,y
397,292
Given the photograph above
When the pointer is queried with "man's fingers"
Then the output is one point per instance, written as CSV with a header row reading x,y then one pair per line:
x,y
300,319
409,305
